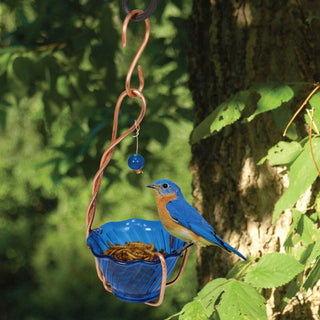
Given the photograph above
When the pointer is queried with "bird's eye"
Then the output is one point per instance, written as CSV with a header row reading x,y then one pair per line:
x,y
165,186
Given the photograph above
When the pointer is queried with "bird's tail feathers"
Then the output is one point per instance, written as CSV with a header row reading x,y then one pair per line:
x,y
222,244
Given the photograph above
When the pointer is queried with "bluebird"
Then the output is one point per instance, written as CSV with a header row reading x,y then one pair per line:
x,y
182,220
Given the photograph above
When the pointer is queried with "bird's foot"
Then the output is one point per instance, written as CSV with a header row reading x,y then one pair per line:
x,y
186,246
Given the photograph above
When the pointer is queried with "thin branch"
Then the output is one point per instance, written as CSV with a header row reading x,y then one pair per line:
x,y
301,107
310,143
310,112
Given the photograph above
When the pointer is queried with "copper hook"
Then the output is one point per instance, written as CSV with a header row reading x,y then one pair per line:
x,y
139,53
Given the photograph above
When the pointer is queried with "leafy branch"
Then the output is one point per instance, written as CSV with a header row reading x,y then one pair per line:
x,y
238,296
298,156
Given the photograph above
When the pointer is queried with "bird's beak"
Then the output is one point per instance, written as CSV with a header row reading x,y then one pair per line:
x,y
153,186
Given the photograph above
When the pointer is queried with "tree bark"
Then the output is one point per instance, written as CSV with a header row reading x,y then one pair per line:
x,y
235,44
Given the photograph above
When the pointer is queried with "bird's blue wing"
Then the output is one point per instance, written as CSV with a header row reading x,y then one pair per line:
x,y
186,215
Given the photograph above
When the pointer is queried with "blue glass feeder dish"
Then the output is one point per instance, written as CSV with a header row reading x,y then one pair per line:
x,y
137,281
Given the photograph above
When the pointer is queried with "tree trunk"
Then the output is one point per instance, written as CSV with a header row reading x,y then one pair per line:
x,y
235,44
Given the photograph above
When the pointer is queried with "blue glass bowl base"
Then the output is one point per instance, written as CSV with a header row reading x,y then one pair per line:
x,y
136,281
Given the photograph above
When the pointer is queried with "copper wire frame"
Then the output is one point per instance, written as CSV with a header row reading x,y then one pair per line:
x,y
107,155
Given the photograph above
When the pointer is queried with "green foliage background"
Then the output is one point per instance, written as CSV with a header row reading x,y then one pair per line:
x,y
61,70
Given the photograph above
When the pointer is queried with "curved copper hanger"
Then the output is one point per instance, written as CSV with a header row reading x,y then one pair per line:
x,y
138,55
106,157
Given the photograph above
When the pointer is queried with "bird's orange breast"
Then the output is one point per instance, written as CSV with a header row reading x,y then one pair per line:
x,y
165,217
173,227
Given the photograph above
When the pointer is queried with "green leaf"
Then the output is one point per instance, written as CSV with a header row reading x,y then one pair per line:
x,y
225,114
307,254
282,153
303,228
241,301
317,206
291,240
5,56
315,104
316,120
63,86
225,299
282,116
313,276
314,253
315,100
302,174
273,95
206,298
305,233
307,230
293,288
239,270
211,292
274,270
193,311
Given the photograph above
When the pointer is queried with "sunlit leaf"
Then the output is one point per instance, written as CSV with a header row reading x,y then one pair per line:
x,y
241,301
206,298
226,299
315,100
306,235
273,95
282,153
211,292
274,270
302,174
225,114
193,311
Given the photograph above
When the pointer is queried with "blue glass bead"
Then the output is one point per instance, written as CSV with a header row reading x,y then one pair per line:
x,y
136,162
